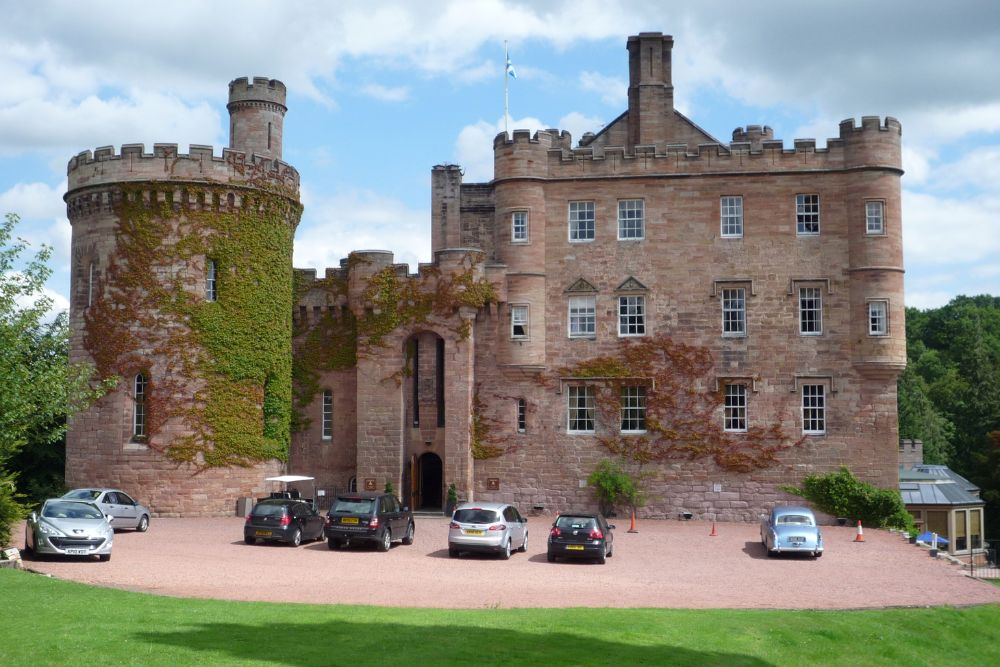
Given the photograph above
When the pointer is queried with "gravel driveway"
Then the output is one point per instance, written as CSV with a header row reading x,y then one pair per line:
x,y
666,564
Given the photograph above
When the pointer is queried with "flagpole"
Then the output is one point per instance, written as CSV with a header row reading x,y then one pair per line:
x,y
506,60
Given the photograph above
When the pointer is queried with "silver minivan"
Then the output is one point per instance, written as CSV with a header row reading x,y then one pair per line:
x,y
490,527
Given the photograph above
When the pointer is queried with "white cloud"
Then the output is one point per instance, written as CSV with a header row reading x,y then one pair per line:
x,y
577,124
385,93
334,225
474,146
613,91
34,200
940,230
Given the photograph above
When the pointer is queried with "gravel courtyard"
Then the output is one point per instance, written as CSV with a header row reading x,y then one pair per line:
x,y
668,564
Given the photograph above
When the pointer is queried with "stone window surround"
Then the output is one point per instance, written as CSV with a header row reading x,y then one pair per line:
x,y
735,411
576,215
523,308
634,206
633,408
635,318
879,230
731,216
585,318
522,225
829,389
807,214
883,330
584,411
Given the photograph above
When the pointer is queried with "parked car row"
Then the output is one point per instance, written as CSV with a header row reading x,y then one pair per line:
x,y
83,523
380,520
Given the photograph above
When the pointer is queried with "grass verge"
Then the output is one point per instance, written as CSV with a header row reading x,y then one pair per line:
x,y
52,622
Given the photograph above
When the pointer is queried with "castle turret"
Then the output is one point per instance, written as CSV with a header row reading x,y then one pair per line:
x,y
182,288
256,116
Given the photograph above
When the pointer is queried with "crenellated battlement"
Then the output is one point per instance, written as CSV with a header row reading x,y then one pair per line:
x,y
874,143
103,166
260,89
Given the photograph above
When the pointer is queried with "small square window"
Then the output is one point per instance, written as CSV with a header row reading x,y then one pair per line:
x,y
581,221
519,227
878,318
582,316
631,220
807,214
731,216
518,321
874,217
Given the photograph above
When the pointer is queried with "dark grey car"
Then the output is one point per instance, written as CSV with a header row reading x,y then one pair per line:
x,y
377,519
581,535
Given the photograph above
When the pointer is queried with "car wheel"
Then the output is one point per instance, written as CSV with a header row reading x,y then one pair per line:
x,y
333,544
408,538
505,551
249,540
551,557
296,538
386,540
611,551
524,545
105,558
143,524
452,553
603,558
817,554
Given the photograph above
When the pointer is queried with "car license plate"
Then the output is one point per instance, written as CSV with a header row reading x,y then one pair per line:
x,y
76,552
795,540
472,531
263,533
574,547
349,519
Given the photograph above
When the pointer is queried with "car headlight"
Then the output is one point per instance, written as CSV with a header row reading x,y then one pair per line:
x,y
49,529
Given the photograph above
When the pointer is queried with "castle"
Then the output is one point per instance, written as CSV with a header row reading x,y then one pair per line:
x,y
723,318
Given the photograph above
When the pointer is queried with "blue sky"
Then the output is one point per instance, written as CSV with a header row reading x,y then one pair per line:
x,y
381,91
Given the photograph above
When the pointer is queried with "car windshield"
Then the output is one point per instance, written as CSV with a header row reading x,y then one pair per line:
x,y
268,510
83,494
354,506
576,522
475,515
71,511
795,519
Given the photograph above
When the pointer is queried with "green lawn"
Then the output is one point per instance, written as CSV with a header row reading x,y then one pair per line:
x,y
50,622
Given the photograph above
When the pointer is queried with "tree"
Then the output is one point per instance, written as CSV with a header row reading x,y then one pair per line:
x,y
40,387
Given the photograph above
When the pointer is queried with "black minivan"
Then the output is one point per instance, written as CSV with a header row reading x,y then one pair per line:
x,y
363,517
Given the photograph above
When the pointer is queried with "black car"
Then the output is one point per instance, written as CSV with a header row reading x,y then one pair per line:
x,y
376,518
581,535
283,520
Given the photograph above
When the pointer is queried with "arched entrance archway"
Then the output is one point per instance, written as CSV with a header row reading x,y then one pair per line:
x,y
429,481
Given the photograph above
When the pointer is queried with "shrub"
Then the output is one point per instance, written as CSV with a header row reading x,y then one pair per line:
x,y
11,511
389,488
614,487
844,495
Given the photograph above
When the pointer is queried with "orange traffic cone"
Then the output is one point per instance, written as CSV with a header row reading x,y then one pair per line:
x,y
713,533
632,528
860,537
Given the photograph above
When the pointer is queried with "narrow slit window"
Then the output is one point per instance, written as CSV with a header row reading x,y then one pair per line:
x,y
211,281
327,414
522,416
90,285
139,416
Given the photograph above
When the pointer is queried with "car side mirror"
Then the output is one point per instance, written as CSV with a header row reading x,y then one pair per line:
x,y
611,526
524,519
406,508
109,518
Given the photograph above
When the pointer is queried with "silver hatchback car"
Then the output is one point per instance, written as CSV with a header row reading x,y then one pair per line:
x,y
491,527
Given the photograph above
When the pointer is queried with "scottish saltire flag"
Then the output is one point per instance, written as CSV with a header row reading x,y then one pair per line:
x,y
510,69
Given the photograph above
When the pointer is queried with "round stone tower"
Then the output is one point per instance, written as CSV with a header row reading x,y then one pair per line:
x,y
181,291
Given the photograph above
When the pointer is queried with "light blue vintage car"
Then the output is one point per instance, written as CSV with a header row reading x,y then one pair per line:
x,y
791,529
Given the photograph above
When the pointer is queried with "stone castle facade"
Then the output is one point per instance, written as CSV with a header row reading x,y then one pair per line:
x,y
782,265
